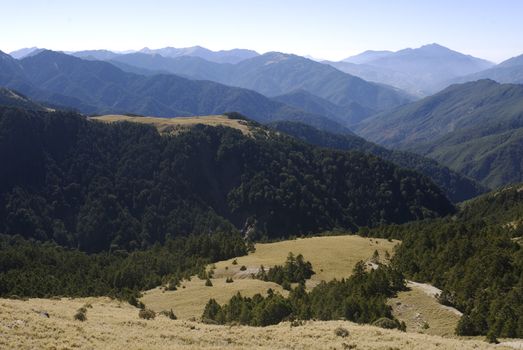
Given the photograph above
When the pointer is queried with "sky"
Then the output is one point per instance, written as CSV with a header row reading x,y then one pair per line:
x,y
327,29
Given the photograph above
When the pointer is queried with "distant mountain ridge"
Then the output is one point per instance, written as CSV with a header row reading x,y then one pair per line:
x,y
509,71
475,128
222,56
275,74
420,71
18,54
100,87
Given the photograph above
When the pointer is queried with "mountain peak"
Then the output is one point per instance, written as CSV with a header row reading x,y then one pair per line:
x,y
27,51
434,46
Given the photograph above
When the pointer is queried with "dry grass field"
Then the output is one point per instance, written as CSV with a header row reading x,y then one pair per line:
x,y
331,257
172,125
422,313
190,301
114,325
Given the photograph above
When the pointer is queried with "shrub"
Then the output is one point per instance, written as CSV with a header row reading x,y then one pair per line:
x,y
243,268
147,314
208,283
235,262
491,338
341,332
81,315
169,313
135,302
297,323
229,280
172,284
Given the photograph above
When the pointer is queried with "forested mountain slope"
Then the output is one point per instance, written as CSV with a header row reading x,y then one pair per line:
x,y
475,258
93,185
474,128
457,187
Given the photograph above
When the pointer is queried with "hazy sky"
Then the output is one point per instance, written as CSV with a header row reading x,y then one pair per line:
x,y
331,29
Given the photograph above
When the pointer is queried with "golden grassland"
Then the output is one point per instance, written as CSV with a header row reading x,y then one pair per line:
x,y
331,257
423,313
190,298
172,125
114,325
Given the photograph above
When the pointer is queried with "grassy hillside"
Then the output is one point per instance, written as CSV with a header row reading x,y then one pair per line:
x,y
422,312
331,257
169,125
114,325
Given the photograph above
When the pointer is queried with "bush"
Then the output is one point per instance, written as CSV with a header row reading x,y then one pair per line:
x,y
243,268
172,284
169,313
208,283
147,314
229,280
491,338
135,302
81,315
235,262
341,332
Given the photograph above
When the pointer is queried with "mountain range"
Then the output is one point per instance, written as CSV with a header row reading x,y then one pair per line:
x,y
222,56
274,74
474,128
420,71
100,87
